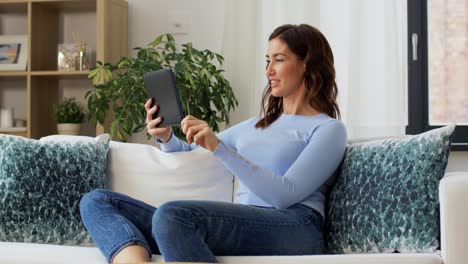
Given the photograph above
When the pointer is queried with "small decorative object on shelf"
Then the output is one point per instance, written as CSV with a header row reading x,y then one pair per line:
x,y
66,57
20,122
81,62
13,52
72,56
6,117
69,114
8,124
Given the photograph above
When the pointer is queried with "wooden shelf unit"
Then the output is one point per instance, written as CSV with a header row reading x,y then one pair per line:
x,y
102,24
60,73
12,73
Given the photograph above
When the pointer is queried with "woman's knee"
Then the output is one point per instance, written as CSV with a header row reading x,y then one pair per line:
x,y
169,217
90,199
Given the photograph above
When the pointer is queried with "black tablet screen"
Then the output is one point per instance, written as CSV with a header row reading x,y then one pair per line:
x,y
161,86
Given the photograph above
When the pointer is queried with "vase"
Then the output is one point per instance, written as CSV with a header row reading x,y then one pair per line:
x,y
6,119
68,129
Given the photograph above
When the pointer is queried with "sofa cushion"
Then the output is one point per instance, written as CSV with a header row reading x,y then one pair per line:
x,y
41,184
386,196
148,174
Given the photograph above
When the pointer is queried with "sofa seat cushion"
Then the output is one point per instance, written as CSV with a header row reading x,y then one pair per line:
x,y
386,196
28,253
424,258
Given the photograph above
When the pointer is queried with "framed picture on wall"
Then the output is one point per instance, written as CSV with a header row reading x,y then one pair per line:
x,y
13,52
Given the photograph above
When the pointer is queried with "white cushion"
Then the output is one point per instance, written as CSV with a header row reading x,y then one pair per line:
x,y
146,173
19,253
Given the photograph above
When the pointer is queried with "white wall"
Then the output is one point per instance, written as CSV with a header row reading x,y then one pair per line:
x,y
148,19
458,161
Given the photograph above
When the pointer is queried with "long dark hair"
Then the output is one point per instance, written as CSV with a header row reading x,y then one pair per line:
x,y
311,46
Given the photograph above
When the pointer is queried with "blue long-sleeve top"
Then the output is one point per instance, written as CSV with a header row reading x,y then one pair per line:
x,y
293,160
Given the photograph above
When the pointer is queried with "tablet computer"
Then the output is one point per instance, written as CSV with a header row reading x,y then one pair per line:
x,y
161,86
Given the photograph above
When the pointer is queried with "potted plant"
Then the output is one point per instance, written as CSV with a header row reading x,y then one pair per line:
x,y
69,114
119,89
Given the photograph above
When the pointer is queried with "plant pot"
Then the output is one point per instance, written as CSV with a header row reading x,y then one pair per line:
x,y
68,129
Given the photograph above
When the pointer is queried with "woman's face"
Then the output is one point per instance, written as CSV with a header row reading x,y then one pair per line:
x,y
285,71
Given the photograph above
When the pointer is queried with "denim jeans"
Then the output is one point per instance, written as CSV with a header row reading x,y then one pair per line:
x,y
196,231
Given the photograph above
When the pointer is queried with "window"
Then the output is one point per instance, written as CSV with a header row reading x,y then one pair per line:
x,y
438,67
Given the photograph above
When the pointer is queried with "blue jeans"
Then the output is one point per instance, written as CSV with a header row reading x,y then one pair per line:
x,y
196,231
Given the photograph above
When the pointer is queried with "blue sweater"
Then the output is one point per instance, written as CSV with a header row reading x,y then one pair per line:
x,y
293,160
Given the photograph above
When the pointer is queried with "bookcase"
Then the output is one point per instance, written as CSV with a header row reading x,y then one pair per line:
x,y
101,24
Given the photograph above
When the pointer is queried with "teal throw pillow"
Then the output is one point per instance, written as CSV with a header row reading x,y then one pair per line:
x,y
385,198
41,184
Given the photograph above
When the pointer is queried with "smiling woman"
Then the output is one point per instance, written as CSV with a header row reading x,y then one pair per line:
x,y
284,69
301,79
285,159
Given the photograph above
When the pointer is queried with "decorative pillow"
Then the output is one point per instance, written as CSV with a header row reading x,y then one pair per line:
x,y
386,196
144,172
41,184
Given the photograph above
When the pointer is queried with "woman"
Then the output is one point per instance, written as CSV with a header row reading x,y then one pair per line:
x,y
284,159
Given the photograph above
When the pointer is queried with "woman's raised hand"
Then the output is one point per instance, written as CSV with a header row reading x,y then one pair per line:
x,y
198,131
162,133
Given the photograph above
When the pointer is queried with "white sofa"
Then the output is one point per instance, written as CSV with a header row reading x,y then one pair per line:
x,y
146,173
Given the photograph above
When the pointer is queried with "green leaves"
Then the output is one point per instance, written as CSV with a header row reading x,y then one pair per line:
x,y
69,111
119,89
100,74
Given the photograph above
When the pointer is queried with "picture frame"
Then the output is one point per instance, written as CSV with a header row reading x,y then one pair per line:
x,y
13,52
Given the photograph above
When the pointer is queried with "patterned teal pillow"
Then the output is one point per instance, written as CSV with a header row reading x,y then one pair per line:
x,y
386,196
41,184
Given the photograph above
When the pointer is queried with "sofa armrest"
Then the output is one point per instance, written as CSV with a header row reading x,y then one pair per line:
x,y
453,196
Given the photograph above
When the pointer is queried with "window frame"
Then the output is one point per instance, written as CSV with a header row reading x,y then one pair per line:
x,y
418,78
